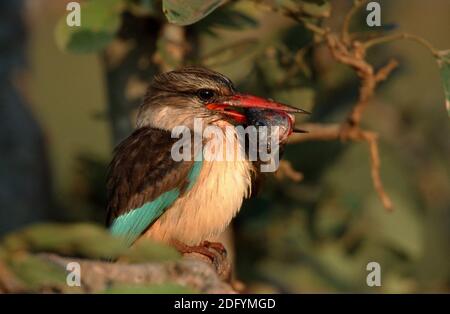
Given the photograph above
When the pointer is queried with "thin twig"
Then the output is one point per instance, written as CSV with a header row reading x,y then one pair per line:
x,y
371,139
389,38
345,32
384,72
285,170
314,28
327,132
316,132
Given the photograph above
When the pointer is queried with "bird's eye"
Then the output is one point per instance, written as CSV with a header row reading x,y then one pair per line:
x,y
205,94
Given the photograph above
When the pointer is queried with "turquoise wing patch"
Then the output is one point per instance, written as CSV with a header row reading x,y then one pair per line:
x,y
130,226
194,173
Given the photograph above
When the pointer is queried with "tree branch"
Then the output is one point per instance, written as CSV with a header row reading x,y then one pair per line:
x,y
96,276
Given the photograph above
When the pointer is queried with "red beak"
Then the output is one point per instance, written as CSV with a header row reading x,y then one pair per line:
x,y
249,101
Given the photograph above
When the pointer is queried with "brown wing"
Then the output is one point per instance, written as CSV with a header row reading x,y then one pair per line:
x,y
142,169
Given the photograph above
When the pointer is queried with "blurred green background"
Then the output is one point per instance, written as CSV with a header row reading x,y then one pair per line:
x,y
316,235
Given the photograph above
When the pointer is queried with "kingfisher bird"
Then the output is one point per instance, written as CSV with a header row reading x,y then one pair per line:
x,y
189,202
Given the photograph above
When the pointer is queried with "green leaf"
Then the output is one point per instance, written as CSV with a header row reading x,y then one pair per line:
x,y
143,7
316,10
149,251
444,65
400,229
311,8
84,240
230,18
182,12
37,273
229,53
165,288
100,20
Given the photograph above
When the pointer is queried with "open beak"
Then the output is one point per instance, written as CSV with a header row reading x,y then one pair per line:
x,y
244,101
250,101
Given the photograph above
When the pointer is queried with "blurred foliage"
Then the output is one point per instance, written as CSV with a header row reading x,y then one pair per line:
x,y
188,12
228,18
314,236
444,64
80,240
154,289
325,245
100,20
19,253
84,241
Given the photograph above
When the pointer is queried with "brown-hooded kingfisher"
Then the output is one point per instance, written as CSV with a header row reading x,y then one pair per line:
x,y
184,203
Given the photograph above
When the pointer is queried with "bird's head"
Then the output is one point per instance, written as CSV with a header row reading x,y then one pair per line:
x,y
178,97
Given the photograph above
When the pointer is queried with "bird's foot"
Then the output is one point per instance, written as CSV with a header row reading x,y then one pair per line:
x,y
215,252
216,246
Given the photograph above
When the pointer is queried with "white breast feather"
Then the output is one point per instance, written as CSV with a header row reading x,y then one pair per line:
x,y
207,209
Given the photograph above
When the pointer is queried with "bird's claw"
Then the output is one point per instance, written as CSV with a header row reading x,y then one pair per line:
x,y
218,257
217,246
214,251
